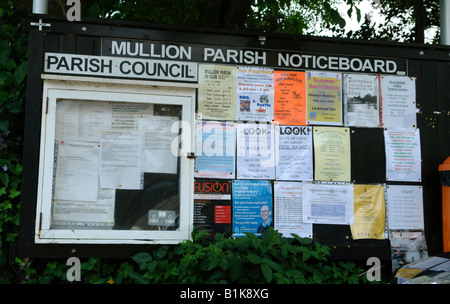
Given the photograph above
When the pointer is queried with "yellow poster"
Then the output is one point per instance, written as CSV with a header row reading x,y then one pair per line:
x,y
370,212
331,154
323,98
217,92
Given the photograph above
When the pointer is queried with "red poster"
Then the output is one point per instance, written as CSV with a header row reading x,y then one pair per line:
x,y
212,206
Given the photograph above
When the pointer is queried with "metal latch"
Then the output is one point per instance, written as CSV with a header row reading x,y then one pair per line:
x,y
191,155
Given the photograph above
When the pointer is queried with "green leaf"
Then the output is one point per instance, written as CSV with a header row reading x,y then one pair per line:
x,y
272,264
267,272
236,270
217,275
142,259
306,256
315,255
21,72
358,14
161,252
6,79
213,264
138,278
284,250
52,265
4,178
90,264
14,193
5,57
152,266
253,258
337,17
303,241
298,276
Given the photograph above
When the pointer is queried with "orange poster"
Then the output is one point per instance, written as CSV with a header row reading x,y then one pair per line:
x,y
290,98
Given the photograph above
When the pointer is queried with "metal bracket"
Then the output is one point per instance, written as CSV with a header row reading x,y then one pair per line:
x,y
41,24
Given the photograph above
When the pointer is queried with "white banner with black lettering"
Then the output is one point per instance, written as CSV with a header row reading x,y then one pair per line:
x,y
136,68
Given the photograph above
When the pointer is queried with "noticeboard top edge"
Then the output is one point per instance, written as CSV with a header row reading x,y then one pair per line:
x,y
414,50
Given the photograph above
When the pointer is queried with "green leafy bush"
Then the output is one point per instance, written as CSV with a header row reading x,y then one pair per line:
x,y
13,71
270,258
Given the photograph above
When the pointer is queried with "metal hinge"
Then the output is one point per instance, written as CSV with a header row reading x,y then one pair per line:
x,y
46,106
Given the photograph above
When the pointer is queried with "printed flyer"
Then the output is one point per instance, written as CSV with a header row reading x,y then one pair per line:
x,y
403,155
157,140
324,98
290,98
215,149
252,206
370,213
254,94
332,154
404,207
217,92
255,157
361,101
77,171
289,210
212,206
398,101
328,204
294,152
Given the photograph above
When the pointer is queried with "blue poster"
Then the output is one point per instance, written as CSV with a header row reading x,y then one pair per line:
x,y
215,150
252,206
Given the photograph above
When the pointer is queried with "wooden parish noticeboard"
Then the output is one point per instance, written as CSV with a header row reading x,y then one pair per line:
x,y
128,118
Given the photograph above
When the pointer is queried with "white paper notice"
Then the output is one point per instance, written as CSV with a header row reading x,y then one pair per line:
x,y
82,120
361,101
217,91
157,138
125,115
120,166
77,170
405,207
328,204
98,214
255,94
288,210
398,101
294,152
255,151
403,155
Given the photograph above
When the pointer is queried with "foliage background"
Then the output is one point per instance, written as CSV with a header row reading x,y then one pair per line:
x,y
268,259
